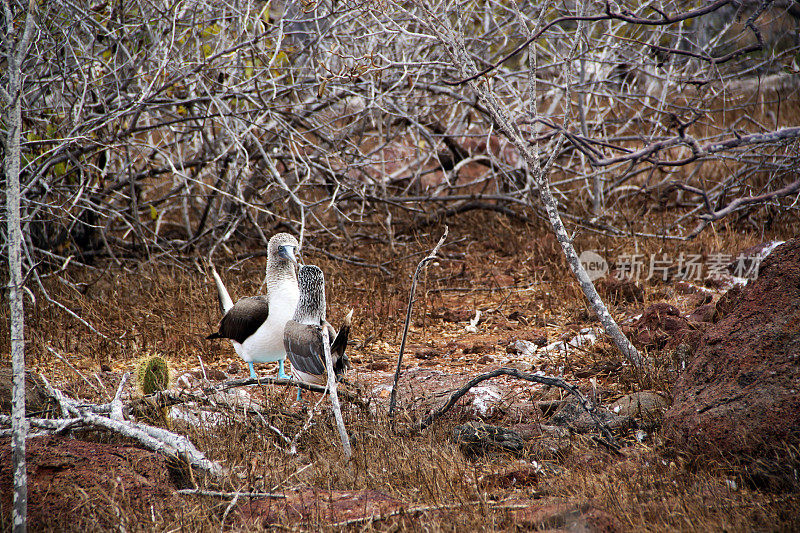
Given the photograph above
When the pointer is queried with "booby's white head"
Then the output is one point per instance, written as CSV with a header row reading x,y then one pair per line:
x,y
281,258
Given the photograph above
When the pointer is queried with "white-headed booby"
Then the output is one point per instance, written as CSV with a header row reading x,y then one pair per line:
x,y
302,336
255,325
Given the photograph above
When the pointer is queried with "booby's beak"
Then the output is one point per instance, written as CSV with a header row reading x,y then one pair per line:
x,y
287,251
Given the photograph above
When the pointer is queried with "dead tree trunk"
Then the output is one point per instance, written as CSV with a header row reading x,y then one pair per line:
x,y
12,95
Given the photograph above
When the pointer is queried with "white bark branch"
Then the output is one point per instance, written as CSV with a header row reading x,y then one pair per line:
x,y
337,409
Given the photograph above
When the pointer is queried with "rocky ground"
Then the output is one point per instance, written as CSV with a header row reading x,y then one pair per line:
x,y
707,437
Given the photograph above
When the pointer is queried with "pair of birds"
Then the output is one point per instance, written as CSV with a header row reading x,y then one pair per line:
x,y
288,321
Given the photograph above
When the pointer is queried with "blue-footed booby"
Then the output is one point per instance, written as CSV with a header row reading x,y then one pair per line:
x,y
255,324
302,336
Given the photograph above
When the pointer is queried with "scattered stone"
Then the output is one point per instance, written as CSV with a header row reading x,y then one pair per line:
x,y
485,360
477,348
426,354
234,368
645,405
572,415
378,365
477,439
739,394
105,368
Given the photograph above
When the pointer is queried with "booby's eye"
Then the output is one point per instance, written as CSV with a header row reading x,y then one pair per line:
x,y
287,251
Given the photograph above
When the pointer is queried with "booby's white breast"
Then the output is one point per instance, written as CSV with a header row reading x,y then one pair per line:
x,y
266,344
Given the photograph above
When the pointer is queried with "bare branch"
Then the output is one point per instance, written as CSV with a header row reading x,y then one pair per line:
x,y
430,257
587,404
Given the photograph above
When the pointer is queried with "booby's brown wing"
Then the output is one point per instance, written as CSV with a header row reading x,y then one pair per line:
x,y
244,319
303,345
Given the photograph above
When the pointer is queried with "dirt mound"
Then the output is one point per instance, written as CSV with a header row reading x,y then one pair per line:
x,y
739,394
85,486
660,325
616,290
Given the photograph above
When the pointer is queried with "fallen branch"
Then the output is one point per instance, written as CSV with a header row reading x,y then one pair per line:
x,y
420,266
585,402
337,410
423,509
219,494
77,413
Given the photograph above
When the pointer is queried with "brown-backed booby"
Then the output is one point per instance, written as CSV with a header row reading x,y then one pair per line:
x,y
302,336
255,325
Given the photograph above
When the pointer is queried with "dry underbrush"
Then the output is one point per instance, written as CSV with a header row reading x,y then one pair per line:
x,y
169,308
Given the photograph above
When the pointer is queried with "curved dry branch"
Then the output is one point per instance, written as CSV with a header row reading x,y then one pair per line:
x,y
585,403
430,257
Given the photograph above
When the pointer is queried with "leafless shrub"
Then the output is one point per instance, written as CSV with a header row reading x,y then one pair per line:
x,y
163,128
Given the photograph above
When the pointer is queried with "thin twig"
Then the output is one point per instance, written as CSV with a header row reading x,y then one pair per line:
x,y
72,367
312,412
420,266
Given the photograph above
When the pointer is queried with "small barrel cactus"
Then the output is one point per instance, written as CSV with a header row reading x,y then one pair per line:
x,y
152,375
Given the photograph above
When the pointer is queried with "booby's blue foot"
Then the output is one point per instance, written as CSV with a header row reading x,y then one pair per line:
x,y
281,373
252,371
299,391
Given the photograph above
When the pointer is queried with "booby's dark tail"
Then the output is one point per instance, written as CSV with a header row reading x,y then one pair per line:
x,y
340,361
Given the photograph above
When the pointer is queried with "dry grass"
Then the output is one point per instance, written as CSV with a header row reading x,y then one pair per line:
x,y
169,308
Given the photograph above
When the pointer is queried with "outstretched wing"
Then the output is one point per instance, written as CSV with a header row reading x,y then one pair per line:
x,y
303,345
244,319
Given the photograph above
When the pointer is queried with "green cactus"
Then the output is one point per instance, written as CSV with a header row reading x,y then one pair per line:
x,y
152,375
